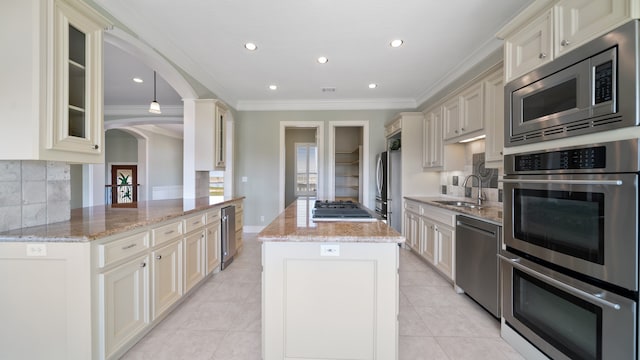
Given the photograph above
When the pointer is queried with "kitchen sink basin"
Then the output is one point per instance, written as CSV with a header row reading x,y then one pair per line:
x,y
466,204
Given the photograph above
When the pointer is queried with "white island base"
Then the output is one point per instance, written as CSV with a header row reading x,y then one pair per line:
x,y
330,300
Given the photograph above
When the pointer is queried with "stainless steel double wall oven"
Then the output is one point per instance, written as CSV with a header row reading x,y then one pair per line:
x,y
570,268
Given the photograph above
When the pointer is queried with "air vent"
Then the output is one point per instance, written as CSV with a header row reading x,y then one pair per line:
x,y
328,89
553,132
602,122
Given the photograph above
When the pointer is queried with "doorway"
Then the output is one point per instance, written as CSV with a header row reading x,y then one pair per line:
x,y
349,161
304,132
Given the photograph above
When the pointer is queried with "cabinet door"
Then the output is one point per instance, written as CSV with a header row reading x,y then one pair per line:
x,y
578,21
213,247
220,136
411,229
445,250
528,48
239,225
167,277
194,260
77,124
472,110
428,246
494,117
432,145
125,293
451,118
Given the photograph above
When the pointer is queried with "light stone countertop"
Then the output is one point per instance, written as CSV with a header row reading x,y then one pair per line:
x,y
490,213
90,223
296,225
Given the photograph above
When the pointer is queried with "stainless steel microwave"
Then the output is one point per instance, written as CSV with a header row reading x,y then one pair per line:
x,y
593,88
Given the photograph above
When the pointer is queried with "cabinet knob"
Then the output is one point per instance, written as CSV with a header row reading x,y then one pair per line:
x,y
542,55
95,147
159,257
143,264
565,43
462,129
455,131
500,152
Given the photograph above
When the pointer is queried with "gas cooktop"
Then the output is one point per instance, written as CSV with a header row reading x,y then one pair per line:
x,y
342,210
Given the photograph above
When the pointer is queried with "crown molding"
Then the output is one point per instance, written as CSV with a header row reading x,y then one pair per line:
x,y
338,104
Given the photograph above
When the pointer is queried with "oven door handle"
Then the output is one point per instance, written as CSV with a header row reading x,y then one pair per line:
x,y
567,182
583,294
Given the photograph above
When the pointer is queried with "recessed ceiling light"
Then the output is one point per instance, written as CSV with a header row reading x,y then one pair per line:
x,y
396,43
373,86
273,87
323,60
250,46
138,80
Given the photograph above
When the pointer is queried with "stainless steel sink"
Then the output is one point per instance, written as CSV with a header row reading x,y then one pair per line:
x,y
466,204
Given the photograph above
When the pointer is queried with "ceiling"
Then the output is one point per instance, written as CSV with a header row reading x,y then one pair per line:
x,y
206,39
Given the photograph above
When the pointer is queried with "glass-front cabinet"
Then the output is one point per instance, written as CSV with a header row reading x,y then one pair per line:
x,y
77,116
51,93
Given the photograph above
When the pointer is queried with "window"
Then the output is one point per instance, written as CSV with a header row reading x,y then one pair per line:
x,y
306,169
216,183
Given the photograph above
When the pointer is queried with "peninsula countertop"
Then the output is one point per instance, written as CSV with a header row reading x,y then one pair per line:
x,y
90,223
295,224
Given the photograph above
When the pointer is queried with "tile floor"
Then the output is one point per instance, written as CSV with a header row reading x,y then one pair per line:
x,y
222,319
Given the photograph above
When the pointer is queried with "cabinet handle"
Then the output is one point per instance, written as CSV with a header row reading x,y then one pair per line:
x,y
159,257
455,131
462,129
565,43
500,152
95,147
168,232
143,264
542,55
128,247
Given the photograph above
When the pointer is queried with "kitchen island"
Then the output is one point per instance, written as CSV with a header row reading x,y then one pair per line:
x,y
329,289
91,287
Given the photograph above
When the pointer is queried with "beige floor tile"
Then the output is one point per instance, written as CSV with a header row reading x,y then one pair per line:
x,y
420,348
422,278
240,346
477,349
411,323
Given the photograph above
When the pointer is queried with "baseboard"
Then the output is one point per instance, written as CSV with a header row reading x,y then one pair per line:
x,y
252,229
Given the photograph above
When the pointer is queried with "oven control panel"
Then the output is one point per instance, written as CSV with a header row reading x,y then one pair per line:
x,y
582,158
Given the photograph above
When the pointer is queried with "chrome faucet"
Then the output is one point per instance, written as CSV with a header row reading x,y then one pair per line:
x,y
480,197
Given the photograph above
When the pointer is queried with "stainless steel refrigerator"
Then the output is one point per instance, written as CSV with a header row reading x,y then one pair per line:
x,y
381,185
394,189
228,235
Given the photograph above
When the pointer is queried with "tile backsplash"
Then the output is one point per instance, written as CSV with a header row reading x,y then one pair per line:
x,y
33,193
451,181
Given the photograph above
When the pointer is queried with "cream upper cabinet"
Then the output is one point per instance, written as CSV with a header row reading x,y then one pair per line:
x,y
52,84
578,21
529,48
393,128
550,28
494,119
463,113
210,133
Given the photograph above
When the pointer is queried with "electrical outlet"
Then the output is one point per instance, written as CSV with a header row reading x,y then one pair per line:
x,y
36,249
329,250
262,218
244,179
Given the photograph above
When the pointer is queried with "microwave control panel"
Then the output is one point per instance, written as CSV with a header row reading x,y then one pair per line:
x,y
583,158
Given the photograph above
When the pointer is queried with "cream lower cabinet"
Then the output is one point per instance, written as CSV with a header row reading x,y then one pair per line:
x,y
167,277
430,233
239,224
125,303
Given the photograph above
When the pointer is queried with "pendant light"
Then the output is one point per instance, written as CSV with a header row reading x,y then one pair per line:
x,y
154,107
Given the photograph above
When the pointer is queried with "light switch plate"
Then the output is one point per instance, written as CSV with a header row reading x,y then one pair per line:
x,y
330,250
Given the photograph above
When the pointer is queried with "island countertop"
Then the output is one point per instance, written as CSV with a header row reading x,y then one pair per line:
x,y
90,223
295,224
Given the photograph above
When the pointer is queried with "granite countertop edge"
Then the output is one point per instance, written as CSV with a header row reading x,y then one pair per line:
x,y
62,232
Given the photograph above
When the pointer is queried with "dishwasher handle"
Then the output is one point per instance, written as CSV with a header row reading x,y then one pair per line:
x,y
462,225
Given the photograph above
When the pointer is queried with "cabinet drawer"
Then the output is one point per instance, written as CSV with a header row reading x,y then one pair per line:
x,y
413,207
239,207
120,249
213,216
167,232
194,223
442,216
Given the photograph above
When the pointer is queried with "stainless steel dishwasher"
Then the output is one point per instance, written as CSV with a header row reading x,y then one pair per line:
x,y
477,265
